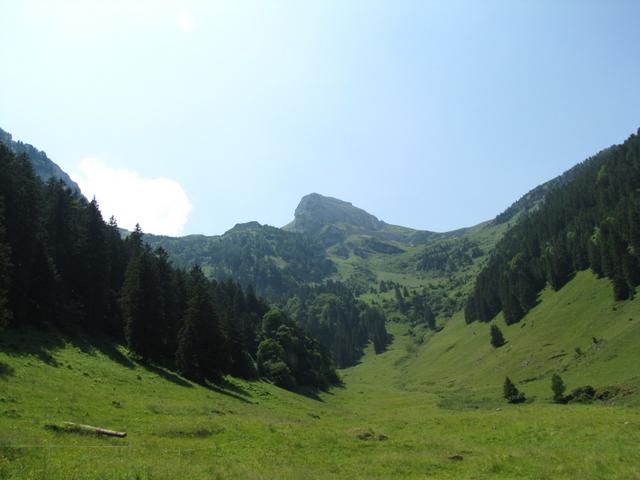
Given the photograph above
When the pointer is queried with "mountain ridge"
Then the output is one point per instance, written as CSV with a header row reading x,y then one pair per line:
x,y
43,166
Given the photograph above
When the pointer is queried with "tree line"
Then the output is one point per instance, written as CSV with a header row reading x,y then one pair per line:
x,y
62,265
593,221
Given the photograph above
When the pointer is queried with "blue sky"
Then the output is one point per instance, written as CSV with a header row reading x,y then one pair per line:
x,y
192,116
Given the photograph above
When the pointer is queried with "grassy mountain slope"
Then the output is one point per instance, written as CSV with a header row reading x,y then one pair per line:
x,y
462,364
421,409
275,262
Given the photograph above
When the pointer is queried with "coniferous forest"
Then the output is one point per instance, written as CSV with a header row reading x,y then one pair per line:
x,y
591,222
61,265
342,323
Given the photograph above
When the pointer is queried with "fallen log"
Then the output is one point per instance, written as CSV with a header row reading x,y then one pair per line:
x,y
71,427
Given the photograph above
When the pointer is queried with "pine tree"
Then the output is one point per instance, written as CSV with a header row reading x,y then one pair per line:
x,y
133,305
141,308
497,339
511,392
95,269
21,192
558,387
118,260
202,350
5,272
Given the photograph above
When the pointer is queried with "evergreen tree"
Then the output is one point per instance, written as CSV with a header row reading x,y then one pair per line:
x,y
94,285
5,272
497,339
558,387
511,392
202,350
141,306
21,192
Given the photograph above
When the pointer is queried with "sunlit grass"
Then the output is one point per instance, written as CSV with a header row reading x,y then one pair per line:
x,y
420,410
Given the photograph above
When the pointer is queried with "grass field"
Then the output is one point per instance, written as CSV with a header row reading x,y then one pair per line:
x,y
429,407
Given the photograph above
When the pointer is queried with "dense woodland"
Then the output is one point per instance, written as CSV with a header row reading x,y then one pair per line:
x,y
62,265
342,323
592,222
449,256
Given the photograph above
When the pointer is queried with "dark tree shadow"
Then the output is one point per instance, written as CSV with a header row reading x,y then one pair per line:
x,y
6,371
110,350
309,393
166,374
33,341
219,389
105,345
237,389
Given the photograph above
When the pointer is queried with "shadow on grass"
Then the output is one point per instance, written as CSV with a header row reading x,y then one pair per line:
x,y
37,342
6,371
41,341
106,346
165,374
220,388
237,389
309,393
116,355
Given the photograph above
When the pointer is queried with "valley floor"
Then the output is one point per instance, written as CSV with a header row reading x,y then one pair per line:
x,y
427,408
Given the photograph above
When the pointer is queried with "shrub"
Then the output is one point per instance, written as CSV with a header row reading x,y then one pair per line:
x,y
582,395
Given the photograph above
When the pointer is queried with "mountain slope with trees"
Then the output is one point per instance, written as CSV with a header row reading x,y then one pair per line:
x,y
42,165
593,221
61,265
272,261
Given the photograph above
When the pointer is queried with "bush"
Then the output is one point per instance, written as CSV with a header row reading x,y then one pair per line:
x,y
279,374
582,395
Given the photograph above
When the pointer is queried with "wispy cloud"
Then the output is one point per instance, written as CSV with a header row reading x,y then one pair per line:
x,y
160,205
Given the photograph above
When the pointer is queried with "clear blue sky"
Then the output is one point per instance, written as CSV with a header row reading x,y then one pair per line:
x,y
434,115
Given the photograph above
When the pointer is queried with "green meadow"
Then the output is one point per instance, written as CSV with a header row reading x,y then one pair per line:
x,y
429,407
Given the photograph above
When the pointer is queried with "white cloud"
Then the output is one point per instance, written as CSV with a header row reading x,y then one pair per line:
x,y
160,205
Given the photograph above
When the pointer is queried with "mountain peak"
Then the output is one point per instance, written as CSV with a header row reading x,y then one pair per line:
x,y
315,211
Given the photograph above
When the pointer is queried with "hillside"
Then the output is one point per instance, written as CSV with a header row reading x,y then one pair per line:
x,y
556,336
273,261
430,408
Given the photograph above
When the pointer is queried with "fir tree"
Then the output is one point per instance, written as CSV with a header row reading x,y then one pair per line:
x,y
558,387
202,350
511,392
497,339
5,272
141,306
95,269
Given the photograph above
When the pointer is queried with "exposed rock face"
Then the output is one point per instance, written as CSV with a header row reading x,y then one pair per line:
x,y
316,211
332,221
